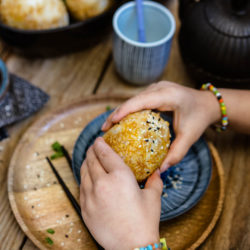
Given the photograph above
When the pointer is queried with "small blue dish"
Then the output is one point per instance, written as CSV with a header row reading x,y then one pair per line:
x,y
4,79
184,183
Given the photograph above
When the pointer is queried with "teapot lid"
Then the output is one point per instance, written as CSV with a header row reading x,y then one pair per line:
x,y
230,17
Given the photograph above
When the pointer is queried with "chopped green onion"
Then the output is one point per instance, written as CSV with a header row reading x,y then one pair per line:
x,y
57,146
49,240
56,155
108,108
51,231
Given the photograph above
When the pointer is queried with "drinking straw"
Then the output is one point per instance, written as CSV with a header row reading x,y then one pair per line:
x,y
140,21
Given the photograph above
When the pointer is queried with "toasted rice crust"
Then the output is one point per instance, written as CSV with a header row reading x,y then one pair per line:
x,y
83,9
33,14
142,140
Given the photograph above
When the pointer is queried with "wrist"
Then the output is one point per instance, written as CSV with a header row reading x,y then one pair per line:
x,y
212,107
135,241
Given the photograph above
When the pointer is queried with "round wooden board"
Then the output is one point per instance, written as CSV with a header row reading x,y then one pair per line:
x,y
39,203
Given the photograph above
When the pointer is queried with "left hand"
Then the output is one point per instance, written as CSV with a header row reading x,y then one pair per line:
x,y
117,212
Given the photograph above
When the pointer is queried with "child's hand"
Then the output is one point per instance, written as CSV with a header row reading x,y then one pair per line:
x,y
117,212
194,111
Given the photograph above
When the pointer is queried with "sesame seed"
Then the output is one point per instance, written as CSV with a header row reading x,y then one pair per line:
x,y
67,215
153,141
66,236
27,166
139,146
159,119
165,195
146,140
25,198
149,128
32,207
79,231
71,224
147,121
152,150
48,184
62,244
35,188
38,176
158,128
39,205
78,240
37,216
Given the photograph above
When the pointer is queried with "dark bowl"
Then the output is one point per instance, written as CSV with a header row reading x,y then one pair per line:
x,y
54,42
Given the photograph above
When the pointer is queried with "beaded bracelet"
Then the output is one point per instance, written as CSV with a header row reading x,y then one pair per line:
x,y
162,245
224,117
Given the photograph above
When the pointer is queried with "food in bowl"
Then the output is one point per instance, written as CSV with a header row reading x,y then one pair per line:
x,y
34,14
142,140
83,9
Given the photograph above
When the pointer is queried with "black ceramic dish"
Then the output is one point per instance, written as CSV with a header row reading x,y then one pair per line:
x,y
53,42
215,41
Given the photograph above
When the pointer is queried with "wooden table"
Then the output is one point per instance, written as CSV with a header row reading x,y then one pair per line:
x,y
72,77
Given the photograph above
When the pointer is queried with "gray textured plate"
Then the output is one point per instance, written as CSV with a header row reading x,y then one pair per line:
x,y
184,183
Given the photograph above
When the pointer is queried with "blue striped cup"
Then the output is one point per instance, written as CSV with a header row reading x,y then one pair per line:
x,y
142,63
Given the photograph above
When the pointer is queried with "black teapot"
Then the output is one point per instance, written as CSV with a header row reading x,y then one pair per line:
x,y
214,41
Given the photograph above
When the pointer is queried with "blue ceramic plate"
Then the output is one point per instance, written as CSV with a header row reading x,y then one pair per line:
x,y
4,79
184,183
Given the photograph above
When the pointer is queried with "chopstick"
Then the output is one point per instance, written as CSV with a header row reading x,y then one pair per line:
x,y
72,199
140,21
67,156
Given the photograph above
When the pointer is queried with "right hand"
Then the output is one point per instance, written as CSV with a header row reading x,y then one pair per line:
x,y
194,111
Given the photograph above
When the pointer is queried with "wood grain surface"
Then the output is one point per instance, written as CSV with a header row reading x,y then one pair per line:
x,y
39,202
75,76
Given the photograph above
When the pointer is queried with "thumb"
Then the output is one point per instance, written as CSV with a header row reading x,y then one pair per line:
x,y
154,182
177,151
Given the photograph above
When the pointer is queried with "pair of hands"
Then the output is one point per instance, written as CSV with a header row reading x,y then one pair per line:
x,y
117,212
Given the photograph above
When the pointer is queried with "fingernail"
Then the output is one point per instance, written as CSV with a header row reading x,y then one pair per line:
x,y
114,117
158,172
104,125
164,167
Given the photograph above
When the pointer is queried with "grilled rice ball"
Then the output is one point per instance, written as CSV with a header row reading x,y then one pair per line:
x,y
83,9
142,140
34,14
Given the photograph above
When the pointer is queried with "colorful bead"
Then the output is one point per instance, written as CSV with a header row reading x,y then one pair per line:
x,y
224,119
156,246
